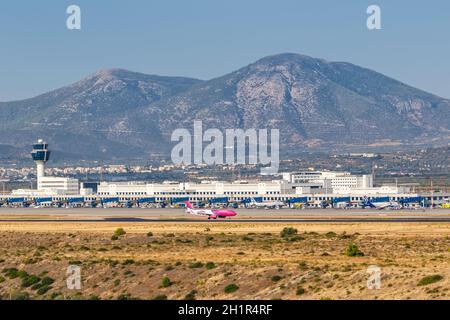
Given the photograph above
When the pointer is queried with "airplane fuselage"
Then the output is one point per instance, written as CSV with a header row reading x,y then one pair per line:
x,y
211,214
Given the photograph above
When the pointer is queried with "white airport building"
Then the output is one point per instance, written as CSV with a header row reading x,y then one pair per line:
x,y
308,186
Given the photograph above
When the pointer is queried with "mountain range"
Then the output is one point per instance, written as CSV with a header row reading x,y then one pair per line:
x,y
316,105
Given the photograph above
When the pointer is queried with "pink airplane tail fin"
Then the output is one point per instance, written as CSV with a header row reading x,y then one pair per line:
x,y
189,205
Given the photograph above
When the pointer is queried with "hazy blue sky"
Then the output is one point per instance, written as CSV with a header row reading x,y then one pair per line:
x,y
208,38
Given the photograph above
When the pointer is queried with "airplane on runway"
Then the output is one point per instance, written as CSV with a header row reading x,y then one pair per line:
x,y
266,205
211,214
366,203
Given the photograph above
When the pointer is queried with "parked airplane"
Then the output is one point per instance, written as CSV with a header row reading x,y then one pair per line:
x,y
366,203
266,205
211,214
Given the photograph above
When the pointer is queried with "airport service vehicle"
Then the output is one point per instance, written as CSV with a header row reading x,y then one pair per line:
x,y
211,214
266,205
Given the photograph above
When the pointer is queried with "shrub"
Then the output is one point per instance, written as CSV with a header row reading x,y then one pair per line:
x,y
119,232
29,281
296,238
114,238
20,296
430,279
22,274
210,265
43,290
288,232
160,297
47,281
191,295
128,261
247,238
125,296
331,234
353,251
11,273
166,282
37,286
2,279
56,296
149,234
276,278
196,265
231,288
302,265
300,291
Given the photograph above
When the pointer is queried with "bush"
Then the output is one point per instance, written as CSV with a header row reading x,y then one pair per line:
x,y
166,282
43,290
210,265
288,232
47,281
22,274
300,291
128,261
353,251
331,234
29,281
191,295
37,286
160,297
231,288
119,232
149,234
11,273
430,279
114,238
302,265
20,296
296,238
276,278
125,296
196,265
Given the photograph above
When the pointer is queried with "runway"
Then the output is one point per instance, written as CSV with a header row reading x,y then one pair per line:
x,y
166,215
353,220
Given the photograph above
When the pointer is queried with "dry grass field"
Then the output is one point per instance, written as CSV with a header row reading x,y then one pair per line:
x,y
224,260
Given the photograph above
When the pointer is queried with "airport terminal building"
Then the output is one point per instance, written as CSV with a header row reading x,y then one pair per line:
x,y
307,187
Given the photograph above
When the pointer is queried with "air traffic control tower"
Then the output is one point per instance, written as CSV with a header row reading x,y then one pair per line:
x,y
40,155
